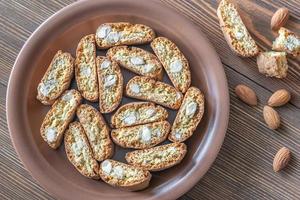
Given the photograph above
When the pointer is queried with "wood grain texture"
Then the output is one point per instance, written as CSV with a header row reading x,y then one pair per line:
x,y
243,169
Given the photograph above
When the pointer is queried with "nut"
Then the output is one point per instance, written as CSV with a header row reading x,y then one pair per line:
x,y
281,159
279,98
271,117
246,94
279,18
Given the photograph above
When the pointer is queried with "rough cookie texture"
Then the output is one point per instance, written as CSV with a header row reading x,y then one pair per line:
x,y
96,131
110,81
85,68
287,41
174,62
124,176
56,79
59,117
137,60
157,158
234,30
138,113
145,88
141,136
79,152
188,116
123,33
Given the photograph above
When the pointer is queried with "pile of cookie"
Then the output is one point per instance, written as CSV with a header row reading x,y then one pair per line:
x,y
142,125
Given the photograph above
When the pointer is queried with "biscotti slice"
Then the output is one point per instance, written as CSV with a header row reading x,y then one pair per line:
x,y
123,33
188,116
79,152
110,81
157,158
287,41
96,130
56,79
138,113
59,116
137,60
235,31
85,68
174,62
145,88
141,136
124,176
273,64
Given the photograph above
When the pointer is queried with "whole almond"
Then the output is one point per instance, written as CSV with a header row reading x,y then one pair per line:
x,y
281,159
246,94
279,98
279,18
271,117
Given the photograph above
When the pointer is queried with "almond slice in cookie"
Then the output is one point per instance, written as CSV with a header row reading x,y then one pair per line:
x,y
188,116
124,176
96,130
79,152
157,158
56,79
123,33
141,136
138,113
85,68
59,117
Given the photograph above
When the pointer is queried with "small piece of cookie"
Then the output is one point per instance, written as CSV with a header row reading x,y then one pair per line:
x,y
145,88
79,152
287,41
138,113
110,81
124,176
85,68
273,64
141,136
59,117
188,116
157,158
137,60
174,62
96,130
123,33
235,31
56,79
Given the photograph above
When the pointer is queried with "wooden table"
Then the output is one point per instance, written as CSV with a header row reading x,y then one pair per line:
x,y
243,169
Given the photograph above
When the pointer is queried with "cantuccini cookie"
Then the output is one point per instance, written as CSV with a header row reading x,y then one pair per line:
x,y
59,117
56,79
85,68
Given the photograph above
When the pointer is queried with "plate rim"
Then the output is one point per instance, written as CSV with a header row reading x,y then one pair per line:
x,y
11,114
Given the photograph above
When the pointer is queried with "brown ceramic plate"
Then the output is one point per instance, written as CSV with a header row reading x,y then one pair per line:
x,y
63,31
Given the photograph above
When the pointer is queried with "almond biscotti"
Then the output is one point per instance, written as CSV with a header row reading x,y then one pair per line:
x,y
174,62
124,176
157,158
273,64
96,130
141,136
145,88
59,117
56,79
188,116
79,152
123,33
235,31
110,81
85,68
137,60
138,113
287,41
